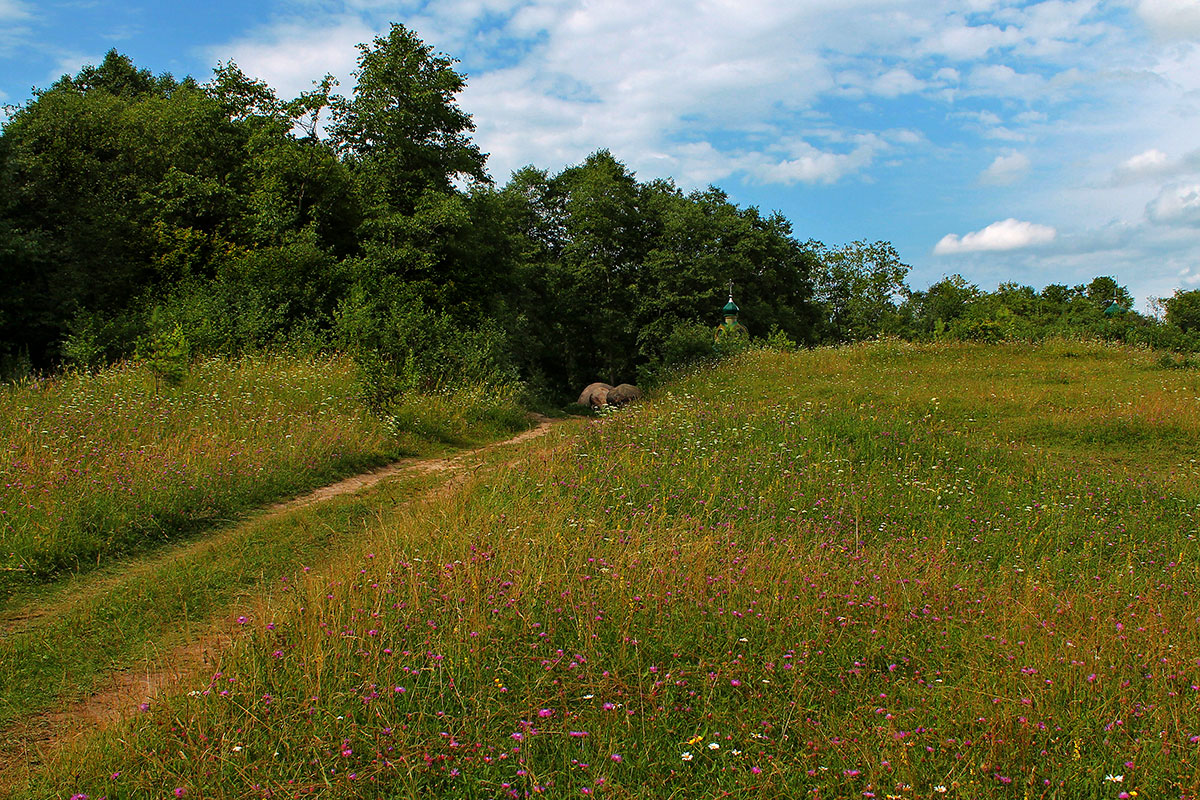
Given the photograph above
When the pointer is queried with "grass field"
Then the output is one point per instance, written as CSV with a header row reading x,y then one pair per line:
x,y
880,571
94,467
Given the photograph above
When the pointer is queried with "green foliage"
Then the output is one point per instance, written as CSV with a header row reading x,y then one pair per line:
x,y
610,268
1183,310
402,347
167,354
779,341
402,126
857,286
687,343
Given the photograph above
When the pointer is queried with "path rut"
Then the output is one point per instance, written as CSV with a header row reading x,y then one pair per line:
x,y
27,744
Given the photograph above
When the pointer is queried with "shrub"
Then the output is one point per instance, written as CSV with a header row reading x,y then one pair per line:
x,y
687,343
402,347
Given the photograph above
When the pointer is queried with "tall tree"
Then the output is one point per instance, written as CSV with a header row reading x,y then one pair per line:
x,y
402,124
857,286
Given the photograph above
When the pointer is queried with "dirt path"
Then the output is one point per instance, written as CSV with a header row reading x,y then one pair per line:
x,y
26,745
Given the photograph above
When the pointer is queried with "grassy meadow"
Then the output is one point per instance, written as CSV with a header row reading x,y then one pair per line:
x,y
881,571
95,467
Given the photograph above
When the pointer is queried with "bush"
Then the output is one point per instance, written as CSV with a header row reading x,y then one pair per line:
x,y
779,341
687,343
402,347
167,353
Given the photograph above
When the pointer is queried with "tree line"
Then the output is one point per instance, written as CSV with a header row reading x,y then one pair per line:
x,y
141,215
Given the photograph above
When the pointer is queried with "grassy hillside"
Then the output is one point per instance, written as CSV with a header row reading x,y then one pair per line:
x,y
882,571
96,466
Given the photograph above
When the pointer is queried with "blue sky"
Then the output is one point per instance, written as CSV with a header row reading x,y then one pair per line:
x,y
1038,142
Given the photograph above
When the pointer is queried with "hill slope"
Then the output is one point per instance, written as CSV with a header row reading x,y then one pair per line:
x,y
883,570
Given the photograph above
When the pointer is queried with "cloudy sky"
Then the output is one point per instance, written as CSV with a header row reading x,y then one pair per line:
x,y
1039,142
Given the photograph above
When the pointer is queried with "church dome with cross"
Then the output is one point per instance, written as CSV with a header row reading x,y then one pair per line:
x,y
730,329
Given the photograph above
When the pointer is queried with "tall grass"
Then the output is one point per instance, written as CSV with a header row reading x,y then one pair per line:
x,y
95,466
883,571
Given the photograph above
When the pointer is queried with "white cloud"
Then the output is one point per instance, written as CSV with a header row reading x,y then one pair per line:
x,y
1171,19
1006,169
962,42
70,64
13,9
1009,234
653,80
14,29
807,93
1154,164
290,56
896,82
1176,205
811,165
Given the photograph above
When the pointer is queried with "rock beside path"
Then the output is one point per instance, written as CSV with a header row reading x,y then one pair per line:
x,y
595,395
624,393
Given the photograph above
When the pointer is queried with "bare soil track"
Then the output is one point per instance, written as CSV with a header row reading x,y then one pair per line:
x,y
26,744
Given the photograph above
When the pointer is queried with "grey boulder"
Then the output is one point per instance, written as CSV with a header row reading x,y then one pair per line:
x,y
595,395
625,393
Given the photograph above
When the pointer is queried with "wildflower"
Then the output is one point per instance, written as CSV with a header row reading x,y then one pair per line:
x,y
242,620
616,757
714,746
940,789
686,756
1114,778
695,739
180,791
546,712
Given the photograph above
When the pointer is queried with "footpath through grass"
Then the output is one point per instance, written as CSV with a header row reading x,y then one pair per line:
x,y
102,464
98,467
882,571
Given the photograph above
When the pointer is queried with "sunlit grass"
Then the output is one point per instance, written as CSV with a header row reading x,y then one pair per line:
x,y
96,466
881,571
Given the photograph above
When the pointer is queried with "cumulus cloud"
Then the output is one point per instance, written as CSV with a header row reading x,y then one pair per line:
x,y
291,55
896,82
550,80
1009,234
1171,19
1006,169
1154,164
1176,205
811,165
